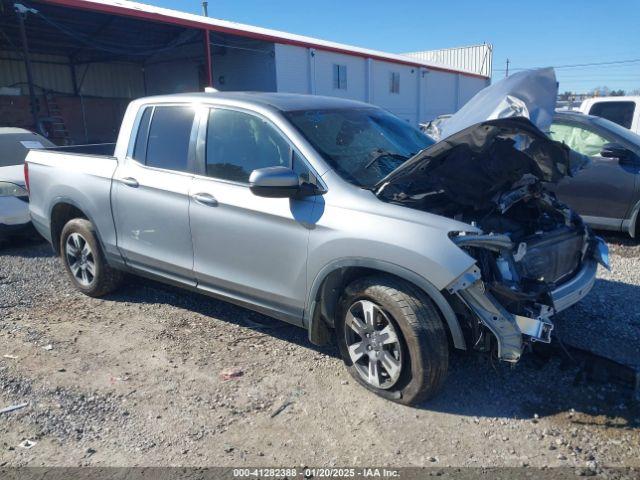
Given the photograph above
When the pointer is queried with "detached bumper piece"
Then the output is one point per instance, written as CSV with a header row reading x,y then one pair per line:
x,y
538,330
511,330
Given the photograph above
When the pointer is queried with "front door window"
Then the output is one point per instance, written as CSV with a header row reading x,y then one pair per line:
x,y
238,143
579,139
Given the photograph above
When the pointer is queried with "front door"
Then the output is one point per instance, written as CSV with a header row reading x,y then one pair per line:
x,y
601,192
151,195
246,247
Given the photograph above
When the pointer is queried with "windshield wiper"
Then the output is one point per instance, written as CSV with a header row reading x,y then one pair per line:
x,y
385,153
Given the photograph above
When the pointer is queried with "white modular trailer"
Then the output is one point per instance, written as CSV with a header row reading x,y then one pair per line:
x,y
413,92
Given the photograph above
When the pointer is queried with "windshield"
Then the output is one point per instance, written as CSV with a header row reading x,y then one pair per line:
x,y
363,145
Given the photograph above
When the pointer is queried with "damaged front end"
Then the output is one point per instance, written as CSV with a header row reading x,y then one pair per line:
x,y
516,286
534,256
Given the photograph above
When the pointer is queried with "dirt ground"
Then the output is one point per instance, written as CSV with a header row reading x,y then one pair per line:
x,y
136,379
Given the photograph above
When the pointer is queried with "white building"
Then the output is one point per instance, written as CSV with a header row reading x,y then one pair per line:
x,y
416,91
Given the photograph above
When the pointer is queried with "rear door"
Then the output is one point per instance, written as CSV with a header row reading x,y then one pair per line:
x,y
601,192
246,247
151,193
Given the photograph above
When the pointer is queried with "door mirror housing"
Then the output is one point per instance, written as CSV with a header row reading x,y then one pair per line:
x,y
274,182
615,150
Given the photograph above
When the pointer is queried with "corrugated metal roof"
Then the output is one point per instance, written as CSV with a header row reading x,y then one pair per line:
x,y
91,36
165,15
474,58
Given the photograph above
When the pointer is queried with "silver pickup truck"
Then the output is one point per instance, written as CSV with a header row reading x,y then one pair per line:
x,y
332,215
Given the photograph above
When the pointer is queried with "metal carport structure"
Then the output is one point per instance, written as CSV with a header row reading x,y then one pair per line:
x,y
81,61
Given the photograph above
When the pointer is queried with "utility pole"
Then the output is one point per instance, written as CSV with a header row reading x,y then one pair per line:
x,y
507,70
205,9
21,12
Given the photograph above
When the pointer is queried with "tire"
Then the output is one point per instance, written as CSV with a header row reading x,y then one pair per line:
x,y
420,349
84,261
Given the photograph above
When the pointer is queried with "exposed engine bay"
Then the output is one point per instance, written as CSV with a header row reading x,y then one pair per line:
x,y
534,255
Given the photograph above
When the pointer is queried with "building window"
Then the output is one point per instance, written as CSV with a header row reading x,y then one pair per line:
x,y
394,82
339,77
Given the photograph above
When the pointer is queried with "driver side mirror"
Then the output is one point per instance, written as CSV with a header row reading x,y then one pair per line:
x,y
614,150
274,182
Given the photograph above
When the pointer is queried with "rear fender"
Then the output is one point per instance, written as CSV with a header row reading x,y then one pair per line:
x,y
113,260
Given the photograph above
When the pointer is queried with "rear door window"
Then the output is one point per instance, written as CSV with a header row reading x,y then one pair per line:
x,y
170,138
617,112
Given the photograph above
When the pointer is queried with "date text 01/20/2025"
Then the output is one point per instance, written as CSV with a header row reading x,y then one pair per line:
x,y
316,472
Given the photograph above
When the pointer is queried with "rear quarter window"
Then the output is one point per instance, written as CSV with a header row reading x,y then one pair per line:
x,y
617,112
140,147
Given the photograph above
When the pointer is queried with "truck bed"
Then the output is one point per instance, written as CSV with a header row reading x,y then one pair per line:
x,y
64,177
93,149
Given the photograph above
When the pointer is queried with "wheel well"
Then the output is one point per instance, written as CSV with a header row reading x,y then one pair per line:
x,y
332,287
328,296
60,215
634,227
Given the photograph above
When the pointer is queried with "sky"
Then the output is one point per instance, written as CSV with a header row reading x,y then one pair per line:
x,y
536,33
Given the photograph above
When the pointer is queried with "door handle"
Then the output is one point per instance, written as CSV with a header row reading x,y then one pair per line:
x,y
130,182
205,199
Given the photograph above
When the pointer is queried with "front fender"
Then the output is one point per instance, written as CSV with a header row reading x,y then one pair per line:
x,y
385,267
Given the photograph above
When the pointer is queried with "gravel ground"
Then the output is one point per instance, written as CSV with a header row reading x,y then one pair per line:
x,y
136,379
609,311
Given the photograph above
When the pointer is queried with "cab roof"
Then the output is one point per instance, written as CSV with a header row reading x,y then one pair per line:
x,y
280,101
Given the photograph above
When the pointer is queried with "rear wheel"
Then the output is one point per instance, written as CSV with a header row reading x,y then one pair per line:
x,y
83,259
392,339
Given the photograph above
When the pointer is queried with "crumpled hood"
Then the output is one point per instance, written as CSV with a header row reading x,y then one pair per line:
x,y
531,94
474,166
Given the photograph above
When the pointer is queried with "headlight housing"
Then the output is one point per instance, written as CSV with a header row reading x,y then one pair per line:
x,y
8,189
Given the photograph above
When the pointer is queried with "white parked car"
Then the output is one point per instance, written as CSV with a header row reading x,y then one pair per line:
x,y
14,200
624,111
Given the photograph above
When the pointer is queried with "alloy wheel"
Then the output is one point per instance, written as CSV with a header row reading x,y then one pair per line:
x,y
80,259
373,344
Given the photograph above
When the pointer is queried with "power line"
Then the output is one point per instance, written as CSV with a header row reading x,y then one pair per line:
x,y
575,65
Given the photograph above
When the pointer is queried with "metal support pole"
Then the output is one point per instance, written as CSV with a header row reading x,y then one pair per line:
x,y
205,10
207,52
74,79
27,63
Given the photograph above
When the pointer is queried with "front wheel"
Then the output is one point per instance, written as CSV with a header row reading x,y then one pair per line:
x,y
392,339
83,259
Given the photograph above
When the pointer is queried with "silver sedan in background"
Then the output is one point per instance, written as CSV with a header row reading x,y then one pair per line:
x,y
15,143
